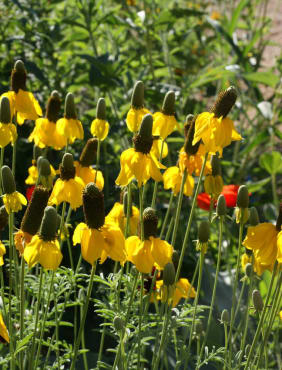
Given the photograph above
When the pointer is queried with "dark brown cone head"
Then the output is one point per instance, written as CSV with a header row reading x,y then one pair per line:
x,y
48,227
150,222
215,164
243,197
3,218
169,274
188,147
8,181
18,77
204,232
33,215
257,300
43,166
70,111
5,111
143,141
254,217
93,206
279,219
101,109
37,152
67,169
137,99
89,152
168,104
224,102
53,107
187,124
124,201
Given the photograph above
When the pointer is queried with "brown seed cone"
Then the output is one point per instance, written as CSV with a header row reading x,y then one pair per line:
x,y
150,222
142,145
18,77
3,217
93,206
33,215
224,102
53,107
89,152
188,147
48,227
67,169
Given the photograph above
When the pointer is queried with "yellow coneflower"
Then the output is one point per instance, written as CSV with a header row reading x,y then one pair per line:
x,y
100,126
42,168
8,131
68,188
45,132
137,111
69,126
152,251
173,179
213,183
12,199
2,252
139,162
22,101
181,290
44,248
3,330
98,239
157,147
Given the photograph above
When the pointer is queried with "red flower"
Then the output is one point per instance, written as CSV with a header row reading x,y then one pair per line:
x,y
29,191
230,193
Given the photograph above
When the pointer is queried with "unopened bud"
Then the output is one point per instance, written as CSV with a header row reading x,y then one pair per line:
x,y
248,269
169,274
70,111
5,111
225,317
101,109
257,301
168,104
8,181
48,226
221,206
204,232
137,99
254,217
175,258
118,323
243,197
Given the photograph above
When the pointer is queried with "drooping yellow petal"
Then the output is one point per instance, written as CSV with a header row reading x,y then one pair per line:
x,y
50,256
157,146
114,242
88,174
93,246
161,252
32,251
163,124
45,134
8,134
13,202
67,191
26,106
71,128
2,252
3,330
100,128
139,253
279,247
134,118
78,232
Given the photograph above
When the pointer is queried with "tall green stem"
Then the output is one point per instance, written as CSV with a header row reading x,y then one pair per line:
x,y
1,165
167,214
14,153
140,322
22,308
98,159
153,204
11,251
178,209
141,213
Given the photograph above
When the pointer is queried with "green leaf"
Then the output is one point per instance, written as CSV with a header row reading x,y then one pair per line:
x,y
271,162
236,15
256,186
266,78
24,341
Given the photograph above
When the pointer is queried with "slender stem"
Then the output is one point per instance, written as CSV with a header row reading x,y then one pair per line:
x,y
36,320
141,212
167,214
98,159
82,323
57,333
178,209
153,204
62,222
22,308
214,289
83,342
14,153
240,299
261,318
42,329
185,240
127,230
1,165
140,322
274,191
169,230
3,292
11,251
101,345
226,342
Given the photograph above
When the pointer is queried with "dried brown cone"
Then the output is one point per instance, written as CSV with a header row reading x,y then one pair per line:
x,y
150,223
67,169
18,77
93,206
89,152
224,102
190,129
53,107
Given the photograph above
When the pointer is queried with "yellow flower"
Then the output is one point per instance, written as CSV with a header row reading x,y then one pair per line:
x,y
2,252
67,191
46,134
134,118
181,290
164,124
279,247
88,174
22,238
193,163
3,330
8,134
263,240
148,253
33,175
215,15
156,148
24,104
13,202
47,253
100,128
173,178
213,185
117,216
139,166
70,128
107,241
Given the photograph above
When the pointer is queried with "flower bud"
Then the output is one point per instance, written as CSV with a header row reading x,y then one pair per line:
x,y
8,181
3,217
248,269
215,164
118,323
67,169
48,226
43,166
137,99
37,152
5,111
70,111
221,206
204,232
89,152
254,217
169,274
101,109
243,197
168,103
224,102
93,206
150,222
257,300
225,317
